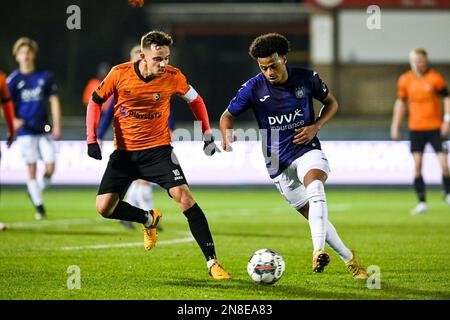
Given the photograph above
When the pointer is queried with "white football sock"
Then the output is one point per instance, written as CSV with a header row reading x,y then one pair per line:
x,y
318,213
44,182
149,221
145,196
210,263
35,192
132,194
335,242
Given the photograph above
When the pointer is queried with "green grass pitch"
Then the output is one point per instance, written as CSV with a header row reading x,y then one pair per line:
x,y
411,252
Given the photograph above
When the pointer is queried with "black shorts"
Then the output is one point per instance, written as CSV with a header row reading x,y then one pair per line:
x,y
420,138
158,165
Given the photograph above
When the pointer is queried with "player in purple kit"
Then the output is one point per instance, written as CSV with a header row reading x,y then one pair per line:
x,y
282,100
31,89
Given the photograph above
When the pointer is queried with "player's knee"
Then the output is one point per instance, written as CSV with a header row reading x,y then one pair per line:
x,y
187,202
316,191
104,209
183,197
49,172
445,167
418,169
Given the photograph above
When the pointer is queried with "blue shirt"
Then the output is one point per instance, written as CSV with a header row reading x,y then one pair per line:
x,y
30,94
279,110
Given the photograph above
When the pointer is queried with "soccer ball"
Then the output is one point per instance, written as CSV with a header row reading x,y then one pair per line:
x,y
265,266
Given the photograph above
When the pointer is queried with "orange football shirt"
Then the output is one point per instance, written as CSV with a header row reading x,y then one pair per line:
x,y
142,106
4,92
424,102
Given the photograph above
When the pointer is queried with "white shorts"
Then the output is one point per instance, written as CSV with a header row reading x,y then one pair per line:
x,y
290,181
37,147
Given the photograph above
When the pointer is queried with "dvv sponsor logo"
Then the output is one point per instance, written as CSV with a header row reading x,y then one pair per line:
x,y
286,118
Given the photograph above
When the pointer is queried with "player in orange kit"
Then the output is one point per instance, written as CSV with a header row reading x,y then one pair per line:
x,y
8,109
142,141
140,192
423,88
93,83
8,114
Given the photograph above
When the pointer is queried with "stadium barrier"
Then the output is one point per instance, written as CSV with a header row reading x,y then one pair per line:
x,y
352,163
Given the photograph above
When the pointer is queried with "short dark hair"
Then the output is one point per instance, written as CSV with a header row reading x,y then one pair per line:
x,y
155,37
267,44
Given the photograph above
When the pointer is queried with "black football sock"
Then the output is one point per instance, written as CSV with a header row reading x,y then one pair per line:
x,y
446,183
419,186
200,230
125,211
40,209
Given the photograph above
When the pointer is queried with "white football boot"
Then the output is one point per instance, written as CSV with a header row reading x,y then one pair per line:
x,y
421,208
447,199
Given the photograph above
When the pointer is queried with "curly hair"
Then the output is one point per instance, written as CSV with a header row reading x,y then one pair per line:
x,y
267,44
155,37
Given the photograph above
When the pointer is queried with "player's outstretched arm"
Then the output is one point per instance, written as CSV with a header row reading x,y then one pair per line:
x,y
55,106
92,119
306,134
397,118
226,127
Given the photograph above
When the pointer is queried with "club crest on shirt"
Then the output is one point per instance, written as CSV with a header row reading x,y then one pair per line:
x,y
20,85
299,92
123,111
157,96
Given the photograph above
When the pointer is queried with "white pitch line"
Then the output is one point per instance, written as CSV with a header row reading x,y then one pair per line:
x,y
60,222
117,245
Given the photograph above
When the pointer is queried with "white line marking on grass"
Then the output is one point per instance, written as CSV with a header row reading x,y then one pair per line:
x,y
118,245
59,222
